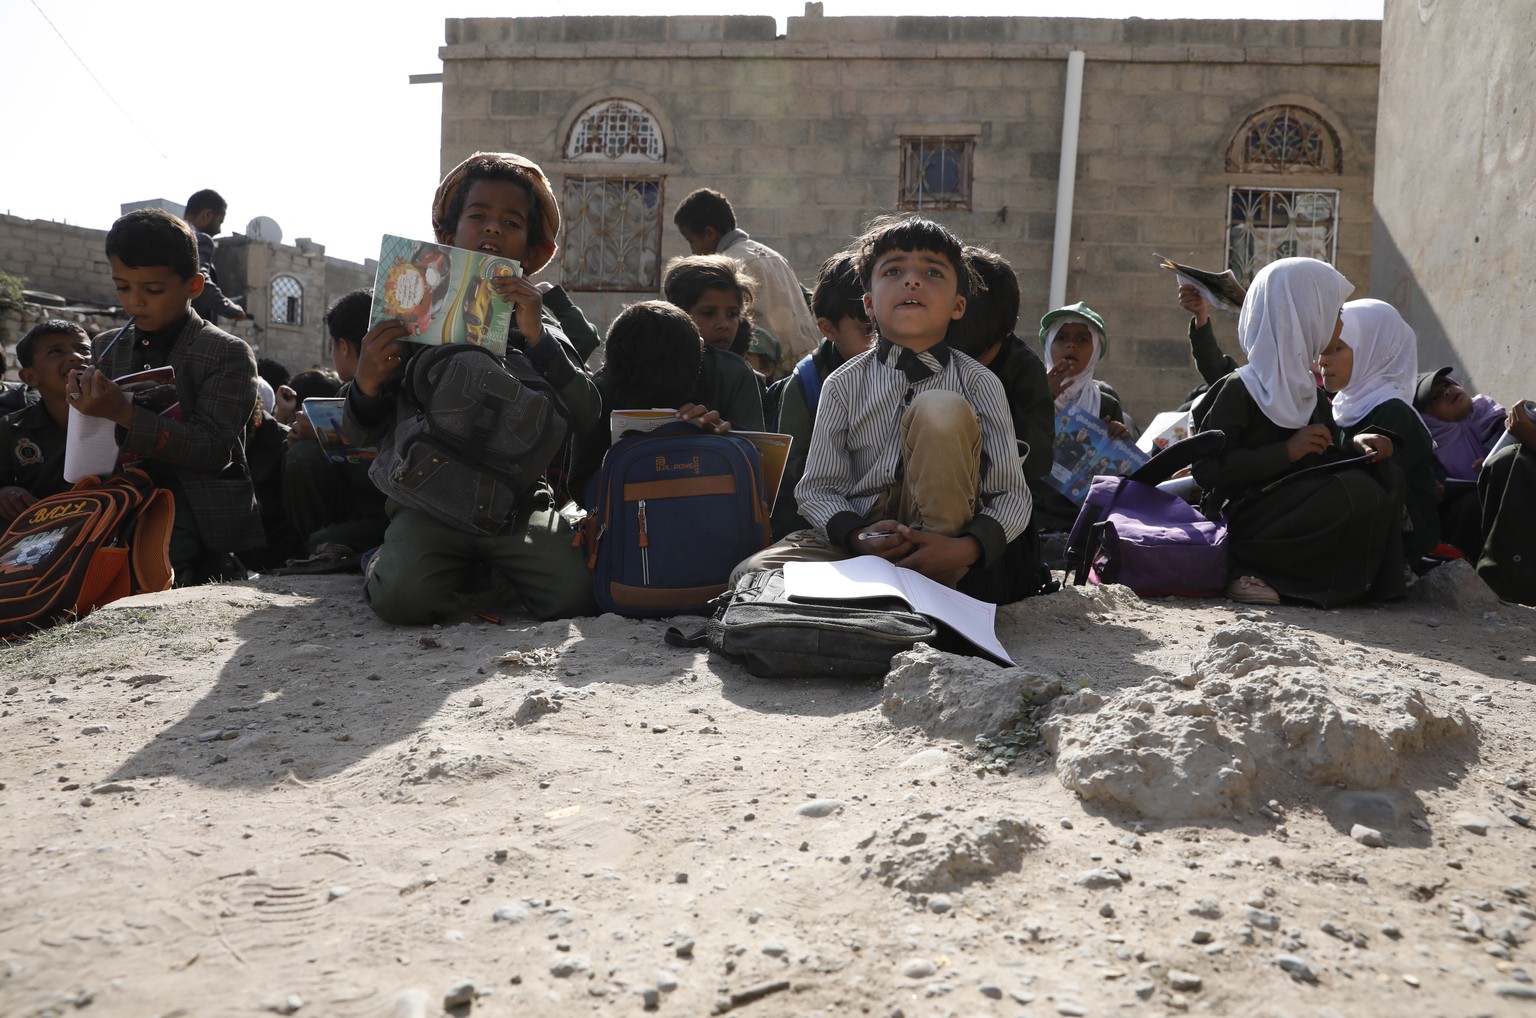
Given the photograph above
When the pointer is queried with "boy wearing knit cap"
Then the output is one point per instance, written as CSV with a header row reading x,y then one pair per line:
x,y
502,204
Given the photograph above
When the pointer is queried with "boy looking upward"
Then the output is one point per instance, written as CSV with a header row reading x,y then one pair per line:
x,y
913,457
32,439
502,204
200,457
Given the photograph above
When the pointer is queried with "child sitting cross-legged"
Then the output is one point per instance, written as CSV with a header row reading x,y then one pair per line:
x,y
500,203
913,457
32,439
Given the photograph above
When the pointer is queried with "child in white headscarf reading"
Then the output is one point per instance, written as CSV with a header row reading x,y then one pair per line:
x,y
1372,367
1073,342
1328,536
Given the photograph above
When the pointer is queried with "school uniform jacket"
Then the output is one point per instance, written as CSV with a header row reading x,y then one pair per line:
x,y
216,387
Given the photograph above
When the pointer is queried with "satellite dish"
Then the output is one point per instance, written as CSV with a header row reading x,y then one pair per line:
x,y
264,228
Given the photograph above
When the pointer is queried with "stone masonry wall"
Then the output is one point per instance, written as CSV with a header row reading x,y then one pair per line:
x,y
803,134
57,258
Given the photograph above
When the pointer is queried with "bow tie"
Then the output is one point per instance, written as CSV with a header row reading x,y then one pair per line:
x,y
916,366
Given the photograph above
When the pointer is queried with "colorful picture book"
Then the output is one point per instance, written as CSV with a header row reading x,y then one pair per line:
x,y
1083,450
442,294
1166,428
325,417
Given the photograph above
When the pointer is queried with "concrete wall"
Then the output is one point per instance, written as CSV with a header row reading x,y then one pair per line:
x,y
57,258
1456,186
803,133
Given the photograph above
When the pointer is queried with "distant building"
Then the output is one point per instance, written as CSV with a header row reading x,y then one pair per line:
x,y
1209,142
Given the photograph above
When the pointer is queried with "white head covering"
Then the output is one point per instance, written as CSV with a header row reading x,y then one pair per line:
x,y
1082,389
1287,320
264,390
1386,360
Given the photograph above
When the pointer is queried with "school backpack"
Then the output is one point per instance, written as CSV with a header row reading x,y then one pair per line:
x,y
70,553
774,637
482,434
810,387
1130,531
674,511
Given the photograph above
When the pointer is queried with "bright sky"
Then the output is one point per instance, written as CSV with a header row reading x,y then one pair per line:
x,y
300,109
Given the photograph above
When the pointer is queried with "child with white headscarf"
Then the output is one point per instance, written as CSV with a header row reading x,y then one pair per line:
x,y
1073,340
1372,367
1328,536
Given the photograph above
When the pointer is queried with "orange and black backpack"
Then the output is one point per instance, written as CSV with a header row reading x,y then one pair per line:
x,y
70,553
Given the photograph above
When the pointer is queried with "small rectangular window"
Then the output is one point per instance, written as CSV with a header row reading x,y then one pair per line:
x,y
1267,224
612,234
287,301
936,172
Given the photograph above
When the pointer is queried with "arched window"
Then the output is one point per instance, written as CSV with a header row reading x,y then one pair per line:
x,y
287,301
612,216
616,131
1266,223
1285,139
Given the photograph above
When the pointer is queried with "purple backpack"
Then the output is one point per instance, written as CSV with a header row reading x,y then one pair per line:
x,y
1131,532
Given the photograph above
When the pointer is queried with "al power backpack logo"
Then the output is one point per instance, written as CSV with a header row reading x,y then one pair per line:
x,y
70,553
482,435
676,509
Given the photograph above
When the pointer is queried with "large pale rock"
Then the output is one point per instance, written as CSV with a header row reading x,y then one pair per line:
x,y
1454,586
1260,707
958,697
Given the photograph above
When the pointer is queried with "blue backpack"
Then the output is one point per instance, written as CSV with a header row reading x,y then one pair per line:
x,y
673,512
810,385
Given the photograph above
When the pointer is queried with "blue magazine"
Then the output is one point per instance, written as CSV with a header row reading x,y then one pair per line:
x,y
1083,449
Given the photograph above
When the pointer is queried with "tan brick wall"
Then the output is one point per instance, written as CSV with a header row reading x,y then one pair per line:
x,y
802,133
57,258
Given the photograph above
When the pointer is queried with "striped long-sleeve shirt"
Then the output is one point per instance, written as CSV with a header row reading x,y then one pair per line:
x,y
856,447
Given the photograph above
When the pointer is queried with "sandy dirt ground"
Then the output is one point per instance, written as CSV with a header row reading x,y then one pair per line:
x,y
257,799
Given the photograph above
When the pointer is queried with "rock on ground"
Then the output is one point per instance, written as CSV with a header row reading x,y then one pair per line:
x,y
957,697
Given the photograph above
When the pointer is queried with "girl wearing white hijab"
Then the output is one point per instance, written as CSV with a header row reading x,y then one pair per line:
x,y
1073,340
1328,537
1372,366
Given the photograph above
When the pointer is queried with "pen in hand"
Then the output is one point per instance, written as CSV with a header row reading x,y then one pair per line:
x,y
875,535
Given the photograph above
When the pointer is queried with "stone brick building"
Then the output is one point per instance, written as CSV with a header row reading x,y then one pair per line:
x,y
287,286
1205,141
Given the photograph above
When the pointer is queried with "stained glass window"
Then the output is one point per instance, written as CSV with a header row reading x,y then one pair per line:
x,y
936,172
612,233
1285,139
615,130
287,301
1264,225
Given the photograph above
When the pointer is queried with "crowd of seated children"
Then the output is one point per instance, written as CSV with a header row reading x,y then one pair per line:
x,y
198,453
1325,537
655,359
32,438
838,304
707,223
913,456
335,508
1370,367
503,204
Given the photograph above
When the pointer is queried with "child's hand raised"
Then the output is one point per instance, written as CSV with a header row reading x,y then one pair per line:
x,y
527,302
704,417
1306,441
1521,424
379,356
1191,301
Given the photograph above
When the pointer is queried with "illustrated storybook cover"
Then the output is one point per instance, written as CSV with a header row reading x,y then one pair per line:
x,y
443,294
1083,449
